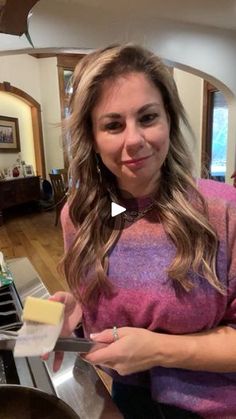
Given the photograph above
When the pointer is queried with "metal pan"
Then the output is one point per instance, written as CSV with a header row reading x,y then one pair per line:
x,y
19,402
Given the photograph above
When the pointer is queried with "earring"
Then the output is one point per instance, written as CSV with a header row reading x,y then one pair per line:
x,y
98,168
165,163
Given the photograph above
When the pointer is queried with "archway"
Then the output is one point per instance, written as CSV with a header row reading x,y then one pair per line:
x,y
231,102
36,124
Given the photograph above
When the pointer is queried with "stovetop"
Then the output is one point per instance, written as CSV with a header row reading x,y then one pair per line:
x,y
8,371
25,371
10,309
76,382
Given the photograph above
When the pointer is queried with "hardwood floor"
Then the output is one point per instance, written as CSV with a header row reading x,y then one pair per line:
x,y
33,234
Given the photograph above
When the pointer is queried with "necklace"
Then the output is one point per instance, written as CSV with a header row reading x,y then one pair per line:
x,y
132,216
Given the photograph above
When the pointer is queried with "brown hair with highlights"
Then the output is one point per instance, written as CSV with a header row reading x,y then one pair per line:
x,y
180,206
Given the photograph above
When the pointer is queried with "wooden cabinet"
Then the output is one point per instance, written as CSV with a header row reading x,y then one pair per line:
x,y
18,191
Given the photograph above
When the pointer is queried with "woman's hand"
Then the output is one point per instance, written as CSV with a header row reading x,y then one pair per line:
x,y
72,316
139,349
72,313
135,350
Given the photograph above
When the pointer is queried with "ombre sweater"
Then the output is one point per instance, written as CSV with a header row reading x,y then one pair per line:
x,y
145,297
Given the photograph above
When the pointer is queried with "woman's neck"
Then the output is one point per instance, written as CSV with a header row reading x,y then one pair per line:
x,y
138,191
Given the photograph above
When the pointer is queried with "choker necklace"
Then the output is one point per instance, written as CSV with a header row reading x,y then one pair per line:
x,y
132,216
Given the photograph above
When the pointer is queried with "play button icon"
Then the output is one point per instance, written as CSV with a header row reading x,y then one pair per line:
x,y
116,209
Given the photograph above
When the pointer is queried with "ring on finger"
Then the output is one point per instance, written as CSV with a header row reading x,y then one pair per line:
x,y
115,333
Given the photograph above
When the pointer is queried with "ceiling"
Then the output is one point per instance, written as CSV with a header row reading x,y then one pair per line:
x,y
214,13
211,13
88,24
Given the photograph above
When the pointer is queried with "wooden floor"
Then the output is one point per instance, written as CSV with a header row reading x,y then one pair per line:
x,y
33,234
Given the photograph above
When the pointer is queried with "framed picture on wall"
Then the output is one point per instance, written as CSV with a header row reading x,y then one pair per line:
x,y
9,135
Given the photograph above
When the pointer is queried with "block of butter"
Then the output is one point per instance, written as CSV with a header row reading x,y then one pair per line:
x,y
42,324
42,311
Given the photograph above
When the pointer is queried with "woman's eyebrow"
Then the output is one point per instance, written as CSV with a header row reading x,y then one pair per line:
x,y
112,115
147,106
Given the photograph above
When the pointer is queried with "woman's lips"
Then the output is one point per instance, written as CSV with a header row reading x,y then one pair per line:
x,y
137,163
135,160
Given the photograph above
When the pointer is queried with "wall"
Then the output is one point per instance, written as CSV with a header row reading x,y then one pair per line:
x,y
12,106
51,112
190,88
21,71
39,79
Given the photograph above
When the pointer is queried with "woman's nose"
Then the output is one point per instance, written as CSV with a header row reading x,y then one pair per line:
x,y
134,138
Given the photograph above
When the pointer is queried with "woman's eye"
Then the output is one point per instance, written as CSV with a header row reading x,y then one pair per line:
x,y
113,126
148,118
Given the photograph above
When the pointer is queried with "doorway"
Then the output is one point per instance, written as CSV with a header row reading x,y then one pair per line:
x,y
36,124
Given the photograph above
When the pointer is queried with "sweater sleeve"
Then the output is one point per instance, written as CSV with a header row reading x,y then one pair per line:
x,y
230,314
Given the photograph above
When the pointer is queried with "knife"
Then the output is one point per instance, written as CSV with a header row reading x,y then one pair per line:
x,y
71,344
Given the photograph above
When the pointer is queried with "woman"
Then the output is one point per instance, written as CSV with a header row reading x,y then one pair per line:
x,y
163,272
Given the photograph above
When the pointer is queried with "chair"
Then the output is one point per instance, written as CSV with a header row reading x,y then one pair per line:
x,y
63,172
59,193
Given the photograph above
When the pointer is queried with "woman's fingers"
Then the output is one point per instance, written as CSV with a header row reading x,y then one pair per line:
x,y
106,336
44,357
72,313
103,355
58,358
72,316
59,296
65,298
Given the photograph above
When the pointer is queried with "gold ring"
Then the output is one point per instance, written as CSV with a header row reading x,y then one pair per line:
x,y
115,333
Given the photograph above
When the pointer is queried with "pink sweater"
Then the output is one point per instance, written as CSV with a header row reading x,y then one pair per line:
x,y
146,298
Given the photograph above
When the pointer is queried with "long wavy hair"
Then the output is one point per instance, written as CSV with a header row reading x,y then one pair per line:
x,y
181,208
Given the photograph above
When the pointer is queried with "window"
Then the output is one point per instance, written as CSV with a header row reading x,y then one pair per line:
x,y
215,133
67,74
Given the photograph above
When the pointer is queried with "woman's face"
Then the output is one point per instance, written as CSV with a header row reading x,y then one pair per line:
x,y
131,132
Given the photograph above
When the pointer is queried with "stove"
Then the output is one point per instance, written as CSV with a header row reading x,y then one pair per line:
x,y
77,382
25,371
10,309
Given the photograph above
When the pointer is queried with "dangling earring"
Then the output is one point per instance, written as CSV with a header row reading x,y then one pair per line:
x,y
98,168
165,163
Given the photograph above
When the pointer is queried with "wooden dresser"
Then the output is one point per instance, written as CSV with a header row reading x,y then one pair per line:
x,y
18,191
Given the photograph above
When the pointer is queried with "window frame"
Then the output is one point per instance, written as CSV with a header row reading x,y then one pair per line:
x,y
207,125
65,62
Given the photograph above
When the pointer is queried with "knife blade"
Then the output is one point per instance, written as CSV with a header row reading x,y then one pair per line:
x,y
74,344
71,344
